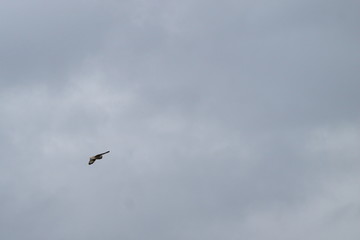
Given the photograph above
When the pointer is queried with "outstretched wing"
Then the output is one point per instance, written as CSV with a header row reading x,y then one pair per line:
x,y
91,161
100,154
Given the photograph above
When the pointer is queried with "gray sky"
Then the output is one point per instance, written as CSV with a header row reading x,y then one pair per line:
x,y
225,119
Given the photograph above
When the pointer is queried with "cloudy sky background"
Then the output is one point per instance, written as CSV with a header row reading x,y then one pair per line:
x,y
225,119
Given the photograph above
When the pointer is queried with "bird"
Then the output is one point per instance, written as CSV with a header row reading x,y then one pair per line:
x,y
96,157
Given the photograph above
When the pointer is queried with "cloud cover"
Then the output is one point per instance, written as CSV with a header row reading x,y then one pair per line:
x,y
225,120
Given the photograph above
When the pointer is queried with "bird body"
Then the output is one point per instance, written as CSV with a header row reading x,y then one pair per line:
x,y
97,157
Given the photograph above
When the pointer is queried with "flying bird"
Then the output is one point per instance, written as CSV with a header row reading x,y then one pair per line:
x,y
96,157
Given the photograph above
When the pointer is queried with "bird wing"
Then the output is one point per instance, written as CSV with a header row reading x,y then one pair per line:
x,y
91,161
100,154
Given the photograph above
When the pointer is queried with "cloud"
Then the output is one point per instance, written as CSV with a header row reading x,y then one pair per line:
x,y
224,120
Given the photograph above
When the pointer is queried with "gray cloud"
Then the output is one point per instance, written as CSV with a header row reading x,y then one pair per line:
x,y
224,120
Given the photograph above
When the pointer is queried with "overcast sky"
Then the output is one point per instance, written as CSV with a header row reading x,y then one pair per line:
x,y
225,119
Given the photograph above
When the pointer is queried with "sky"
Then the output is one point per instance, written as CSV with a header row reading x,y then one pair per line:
x,y
224,119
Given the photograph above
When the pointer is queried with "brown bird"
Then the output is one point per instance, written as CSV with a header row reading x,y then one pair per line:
x,y
96,157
